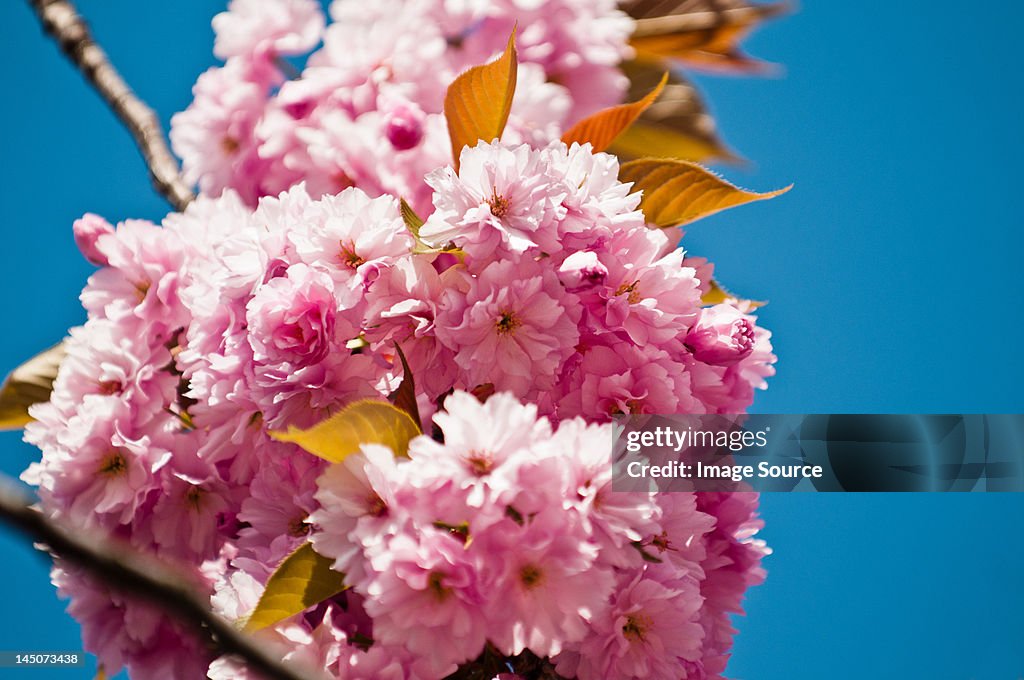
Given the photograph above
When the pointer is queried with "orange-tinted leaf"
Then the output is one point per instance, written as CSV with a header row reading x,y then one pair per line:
x,y
717,294
678,125
602,128
677,192
700,33
477,103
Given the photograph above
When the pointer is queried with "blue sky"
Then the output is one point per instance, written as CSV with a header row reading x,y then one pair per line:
x,y
892,269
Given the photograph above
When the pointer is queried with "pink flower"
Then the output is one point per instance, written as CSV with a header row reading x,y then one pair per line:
x,y
424,592
579,43
482,445
649,298
650,627
722,336
141,281
622,378
104,362
214,135
545,589
292,318
512,326
502,199
597,204
401,308
680,537
616,521
357,495
125,633
187,515
352,237
267,28
539,109
275,516
96,474
88,229
730,389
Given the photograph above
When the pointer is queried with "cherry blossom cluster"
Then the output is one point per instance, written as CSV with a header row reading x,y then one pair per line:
x,y
521,285
364,109
508,535
535,279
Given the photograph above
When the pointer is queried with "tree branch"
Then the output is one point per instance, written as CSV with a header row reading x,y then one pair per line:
x,y
133,573
63,24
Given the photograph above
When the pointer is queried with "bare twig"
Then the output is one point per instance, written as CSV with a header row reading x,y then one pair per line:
x,y
63,24
133,573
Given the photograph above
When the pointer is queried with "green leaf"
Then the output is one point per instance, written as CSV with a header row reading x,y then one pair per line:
x,y
30,383
303,580
602,128
405,396
413,222
678,192
478,102
364,422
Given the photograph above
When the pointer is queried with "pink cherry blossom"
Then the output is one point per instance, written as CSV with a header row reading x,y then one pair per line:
x,y
722,336
512,326
88,229
272,28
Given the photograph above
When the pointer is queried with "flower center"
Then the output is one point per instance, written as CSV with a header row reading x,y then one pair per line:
x,y
633,406
349,257
435,583
480,463
635,628
507,323
229,145
375,506
531,576
114,464
631,290
110,387
661,542
499,204
298,527
193,497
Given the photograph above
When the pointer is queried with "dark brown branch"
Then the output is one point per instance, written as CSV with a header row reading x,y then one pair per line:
x,y
63,24
134,574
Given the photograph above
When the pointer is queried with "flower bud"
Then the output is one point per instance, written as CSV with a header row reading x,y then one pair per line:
x,y
582,270
88,229
404,127
722,337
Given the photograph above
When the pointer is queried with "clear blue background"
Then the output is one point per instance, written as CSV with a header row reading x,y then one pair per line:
x,y
892,269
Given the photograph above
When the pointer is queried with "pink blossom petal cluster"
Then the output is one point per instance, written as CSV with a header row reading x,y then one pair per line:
x,y
533,305
225,323
365,107
507,533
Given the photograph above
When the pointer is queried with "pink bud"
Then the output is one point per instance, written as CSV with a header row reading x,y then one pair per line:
x,y
88,229
722,336
582,270
404,127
